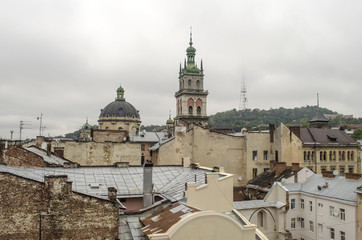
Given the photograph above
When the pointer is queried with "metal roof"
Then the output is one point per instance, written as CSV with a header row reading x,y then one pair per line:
x,y
325,135
154,137
168,180
52,159
338,187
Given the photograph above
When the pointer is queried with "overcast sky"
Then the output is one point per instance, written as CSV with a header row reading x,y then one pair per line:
x,y
66,59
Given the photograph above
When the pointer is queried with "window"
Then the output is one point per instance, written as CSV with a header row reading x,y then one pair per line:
x,y
321,156
334,155
343,214
265,155
255,172
341,171
320,229
255,155
330,156
343,235
343,156
348,155
142,147
339,155
331,211
308,158
350,169
198,83
292,203
333,168
190,110
302,203
332,234
292,223
325,156
189,83
305,156
301,222
320,205
310,206
323,168
198,110
311,226
352,156
276,156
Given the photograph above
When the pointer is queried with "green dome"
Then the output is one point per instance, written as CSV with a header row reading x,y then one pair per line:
x,y
86,126
169,121
191,49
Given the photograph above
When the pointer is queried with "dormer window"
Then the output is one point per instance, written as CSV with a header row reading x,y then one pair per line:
x,y
332,138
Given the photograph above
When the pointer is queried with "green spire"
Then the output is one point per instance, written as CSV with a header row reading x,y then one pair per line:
x,y
190,67
120,94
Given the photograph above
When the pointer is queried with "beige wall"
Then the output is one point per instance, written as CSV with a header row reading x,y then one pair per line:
x,y
216,195
359,215
208,225
207,148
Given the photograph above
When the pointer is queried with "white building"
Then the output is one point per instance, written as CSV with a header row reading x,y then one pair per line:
x,y
323,207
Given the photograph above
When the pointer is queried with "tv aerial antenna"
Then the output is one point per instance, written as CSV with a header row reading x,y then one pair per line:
x,y
23,125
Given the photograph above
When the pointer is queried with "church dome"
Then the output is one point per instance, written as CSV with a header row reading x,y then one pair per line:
x,y
191,49
119,108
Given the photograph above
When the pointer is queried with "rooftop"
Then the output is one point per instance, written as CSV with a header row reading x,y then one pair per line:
x,y
325,135
338,188
168,180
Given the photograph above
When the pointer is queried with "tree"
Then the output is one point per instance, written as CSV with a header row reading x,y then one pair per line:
x,y
357,134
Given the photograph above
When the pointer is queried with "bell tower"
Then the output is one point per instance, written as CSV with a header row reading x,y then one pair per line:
x,y
191,98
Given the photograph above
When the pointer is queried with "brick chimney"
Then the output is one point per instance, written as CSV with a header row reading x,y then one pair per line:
x,y
295,130
57,187
49,149
295,167
272,164
147,185
271,132
328,174
353,176
112,194
280,167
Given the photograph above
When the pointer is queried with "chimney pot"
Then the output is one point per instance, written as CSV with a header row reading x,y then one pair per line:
x,y
147,185
295,167
112,194
272,164
328,174
354,176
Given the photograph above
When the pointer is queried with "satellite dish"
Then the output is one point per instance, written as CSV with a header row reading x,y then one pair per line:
x,y
335,212
240,178
44,145
335,172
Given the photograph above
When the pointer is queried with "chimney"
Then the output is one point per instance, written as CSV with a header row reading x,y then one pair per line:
x,y
147,185
272,164
295,167
112,194
328,174
280,167
295,170
57,187
295,130
49,149
59,152
271,132
353,176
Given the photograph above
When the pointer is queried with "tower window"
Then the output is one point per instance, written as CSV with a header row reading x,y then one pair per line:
x,y
198,83
199,110
190,110
189,83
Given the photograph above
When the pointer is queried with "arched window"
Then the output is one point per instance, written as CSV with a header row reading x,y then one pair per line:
x,y
120,128
190,110
198,83
343,156
339,155
321,156
107,128
352,156
330,156
189,82
325,156
334,155
198,110
305,156
260,219
308,158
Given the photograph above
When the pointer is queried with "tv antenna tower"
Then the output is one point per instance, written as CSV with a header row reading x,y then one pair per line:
x,y
243,97
23,125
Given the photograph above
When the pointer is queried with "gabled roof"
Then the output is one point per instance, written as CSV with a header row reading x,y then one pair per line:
x,y
338,187
168,180
324,135
52,159
267,178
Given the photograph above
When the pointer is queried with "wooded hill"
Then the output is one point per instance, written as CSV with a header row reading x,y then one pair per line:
x,y
257,119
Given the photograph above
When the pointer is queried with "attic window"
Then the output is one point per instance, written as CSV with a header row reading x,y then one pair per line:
x,y
332,138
